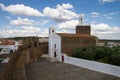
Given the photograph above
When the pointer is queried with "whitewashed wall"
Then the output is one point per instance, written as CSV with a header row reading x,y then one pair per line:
x,y
10,47
5,51
97,66
55,39
5,46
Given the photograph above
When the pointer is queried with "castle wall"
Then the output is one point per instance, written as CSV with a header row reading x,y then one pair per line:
x,y
70,44
20,59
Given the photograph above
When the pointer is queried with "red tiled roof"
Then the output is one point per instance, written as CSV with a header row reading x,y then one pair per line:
x,y
6,42
75,35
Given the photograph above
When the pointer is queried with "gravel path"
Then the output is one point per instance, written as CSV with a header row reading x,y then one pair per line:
x,y
46,70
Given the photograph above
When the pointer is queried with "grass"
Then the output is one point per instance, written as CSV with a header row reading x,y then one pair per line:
x,y
0,49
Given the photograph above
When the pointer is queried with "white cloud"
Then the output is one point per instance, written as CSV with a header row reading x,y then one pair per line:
x,y
68,24
61,12
100,27
21,9
94,14
109,15
24,31
62,31
8,17
20,22
43,22
107,1
104,31
30,28
44,32
67,6
113,13
101,30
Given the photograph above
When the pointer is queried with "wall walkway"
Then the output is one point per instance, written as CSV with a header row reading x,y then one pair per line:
x,y
92,65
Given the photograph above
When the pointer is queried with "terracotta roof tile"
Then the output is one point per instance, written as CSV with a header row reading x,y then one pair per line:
x,y
6,42
75,35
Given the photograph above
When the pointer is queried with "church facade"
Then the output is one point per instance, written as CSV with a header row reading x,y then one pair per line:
x,y
60,43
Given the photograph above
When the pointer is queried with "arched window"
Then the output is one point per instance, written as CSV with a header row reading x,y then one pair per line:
x,y
52,31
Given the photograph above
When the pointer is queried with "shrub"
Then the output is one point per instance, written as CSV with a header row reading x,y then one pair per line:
x,y
99,53
77,53
116,57
102,54
0,49
88,54
108,52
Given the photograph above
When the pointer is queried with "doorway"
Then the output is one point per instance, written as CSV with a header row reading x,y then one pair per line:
x,y
55,54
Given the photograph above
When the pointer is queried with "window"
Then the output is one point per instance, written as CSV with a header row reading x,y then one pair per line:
x,y
52,31
55,46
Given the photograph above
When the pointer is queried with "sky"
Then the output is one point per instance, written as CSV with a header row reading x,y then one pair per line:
x,y
34,17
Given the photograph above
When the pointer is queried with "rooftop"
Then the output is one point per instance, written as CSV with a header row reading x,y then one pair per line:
x,y
76,35
7,42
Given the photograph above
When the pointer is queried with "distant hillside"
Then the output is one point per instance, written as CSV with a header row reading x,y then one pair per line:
x,y
23,38
106,40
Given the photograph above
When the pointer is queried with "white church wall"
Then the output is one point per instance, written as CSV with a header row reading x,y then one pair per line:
x,y
92,65
50,46
57,42
55,46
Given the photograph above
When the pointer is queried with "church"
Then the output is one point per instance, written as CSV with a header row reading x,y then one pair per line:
x,y
66,43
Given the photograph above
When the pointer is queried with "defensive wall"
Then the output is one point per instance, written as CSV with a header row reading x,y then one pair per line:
x,y
20,59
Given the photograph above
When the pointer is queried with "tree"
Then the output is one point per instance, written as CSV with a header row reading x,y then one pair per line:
x,y
99,53
0,49
102,54
88,54
116,57
106,44
77,53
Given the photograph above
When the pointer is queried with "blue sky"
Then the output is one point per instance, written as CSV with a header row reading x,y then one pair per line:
x,y
34,17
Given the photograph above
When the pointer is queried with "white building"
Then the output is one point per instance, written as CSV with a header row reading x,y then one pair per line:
x,y
54,45
8,44
66,43
113,44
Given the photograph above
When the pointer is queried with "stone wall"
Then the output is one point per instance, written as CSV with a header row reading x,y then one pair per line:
x,y
70,44
15,69
29,53
83,29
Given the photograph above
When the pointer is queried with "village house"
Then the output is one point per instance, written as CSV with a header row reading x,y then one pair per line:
x,y
113,44
10,45
7,47
66,43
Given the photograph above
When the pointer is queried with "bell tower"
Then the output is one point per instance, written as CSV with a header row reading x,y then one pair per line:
x,y
52,30
81,20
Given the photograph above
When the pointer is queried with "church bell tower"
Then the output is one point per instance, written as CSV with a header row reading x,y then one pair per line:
x,y
81,19
52,30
